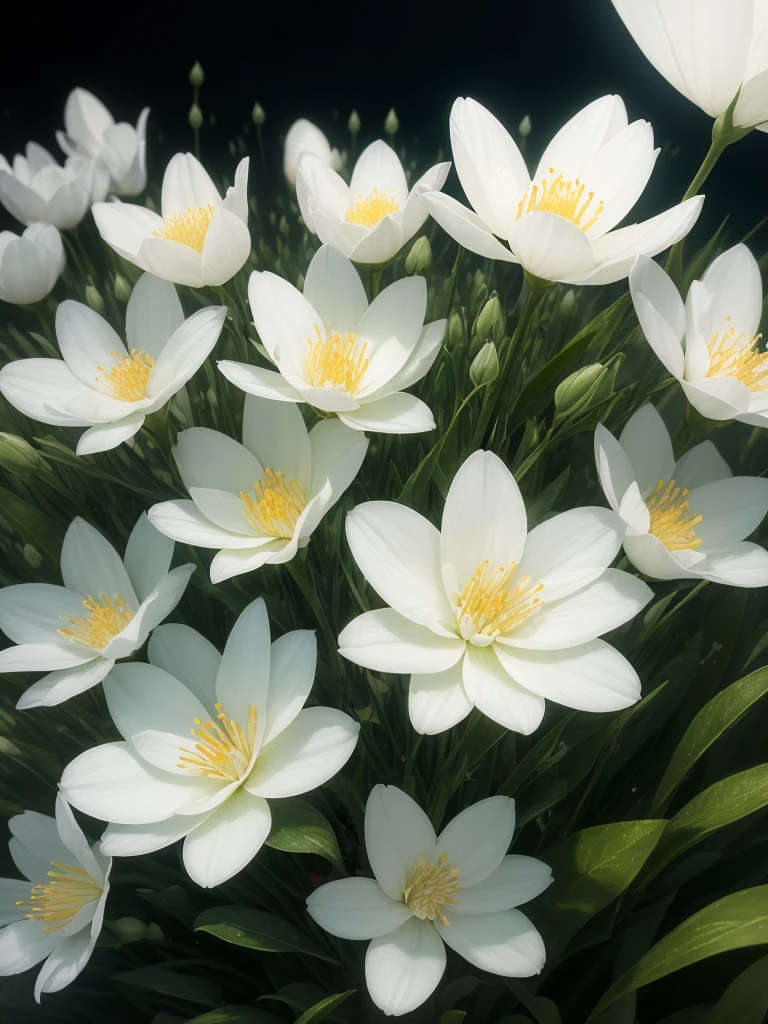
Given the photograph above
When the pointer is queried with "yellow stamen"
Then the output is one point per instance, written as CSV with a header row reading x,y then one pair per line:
x,y
668,521
336,363
127,380
732,355
224,749
430,887
371,210
56,902
189,228
489,605
567,199
105,619
278,504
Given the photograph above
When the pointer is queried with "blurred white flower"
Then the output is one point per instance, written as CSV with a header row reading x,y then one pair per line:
x,y
686,519
201,239
91,134
710,50
484,613
101,384
459,889
305,137
559,224
59,916
207,739
30,264
259,501
124,599
710,343
339,354
37,189
370,219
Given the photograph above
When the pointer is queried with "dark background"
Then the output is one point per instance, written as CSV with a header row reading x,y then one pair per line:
x,y
319,61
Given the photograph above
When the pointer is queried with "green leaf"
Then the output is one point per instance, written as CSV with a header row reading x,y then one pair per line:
x,y
710,723
256,929
236,1015
544,1011
324,1007
733,922
453,1016
178,984
32,526
297,827
746,998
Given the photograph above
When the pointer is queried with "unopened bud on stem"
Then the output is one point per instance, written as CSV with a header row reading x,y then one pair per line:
x,y
485,365
420,256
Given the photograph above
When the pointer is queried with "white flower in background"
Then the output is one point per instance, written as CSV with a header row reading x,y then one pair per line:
x,y
104,385
207,740
91,134
30,264
559,224
57,913
259,501
106,609
373,217
709,50
484,614
201,239
459,889
37,189
305,137
686,519
710,343
339,354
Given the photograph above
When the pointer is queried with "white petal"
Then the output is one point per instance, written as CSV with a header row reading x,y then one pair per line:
x,y
231,562
438,701
718,398
404,968
24,944
255,380
229,839
337,454
37,844
125,226
293,660
185,352
735,289
399,413
613,467
189,657
397,833
477,839
700,465
183,521
619,172
62,684
647,444
493,692
388,642
212,460
582,137
152,315
391,328
743,565
43,657
414,212
72,836
465,226
91,566
243,676
356,908
277,436
147,557
12,892
42,390
378,169
751,107
87,342
550,247
516,880
226,248
151,612
186,184
333,288
418,363
236,199
105,436
170,260
31,612
732,510
649,555
504,943
136,840
285,321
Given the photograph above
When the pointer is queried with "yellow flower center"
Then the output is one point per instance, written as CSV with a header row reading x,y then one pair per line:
x,y
56,902
223,750
336,363
732,355
278,505
430,887
127,380
668,517
371,210
489,604
189,228
105,619
568,199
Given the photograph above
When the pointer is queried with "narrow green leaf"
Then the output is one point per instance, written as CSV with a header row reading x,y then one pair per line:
x,y
32,525
453,1016
544,1011
297,827
256,929
177,984
746,998
236,1015
324,1007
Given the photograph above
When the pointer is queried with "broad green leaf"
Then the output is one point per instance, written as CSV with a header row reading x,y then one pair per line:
x,y
543,1011
178,984
236,1015
324,1007
733,922
297,827
257,929
746,998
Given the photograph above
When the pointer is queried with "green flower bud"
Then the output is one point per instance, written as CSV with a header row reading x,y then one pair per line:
x,y
196,75
420,256
131,929
455,331
258,115
17,456
478,284
195,117
94,299
122,288
524,128
573,395
354,123
232,148
300,282
491,322
567,302
150,204
485,365
391,122
32,556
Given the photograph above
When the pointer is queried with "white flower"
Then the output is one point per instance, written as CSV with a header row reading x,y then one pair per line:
x,y
201,239
710,344
91,133
124,599
100,383
305,137
30,264
559,223
485,614
207,739
37,189
339,354
685,519
373,217
709,50
59,916
459,888
259,501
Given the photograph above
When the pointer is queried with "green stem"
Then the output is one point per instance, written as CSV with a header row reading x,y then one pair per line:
x,y
375,281
454,278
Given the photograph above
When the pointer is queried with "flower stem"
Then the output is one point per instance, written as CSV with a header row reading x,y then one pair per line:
x,y
454,278
375,282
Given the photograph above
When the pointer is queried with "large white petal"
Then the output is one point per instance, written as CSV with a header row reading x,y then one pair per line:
x,y
550,247
582,137
418,363
13,891
404,968
103,437
285,321
72,836
64,683
647,444
183,521
226,841
91,566
226,248
66,961
187,185
438,701
209,459
618,173
702,464
333,288
255,380
124,226
465,226
293,659
504,943
498,696
732,510
31,612
399,413
24,944
188,656
476,840
43,389
718,398
277,436
43,657
243,677
356,908
147,557
516,880
87,343
743,565
649,555
735,291
231,562
170,260
397,833
151,613
38,843
613,467
378,169
152,315
185,352
136,840
388,642
390,328
337,454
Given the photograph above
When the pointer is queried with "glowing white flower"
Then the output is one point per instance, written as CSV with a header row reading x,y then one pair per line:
x,y
559,224
373,217
58,917
207,740
30,264
105,611
259,501
201,239
38,190
710,343
686,519
459,889
339,354
104,385
485,614
305,137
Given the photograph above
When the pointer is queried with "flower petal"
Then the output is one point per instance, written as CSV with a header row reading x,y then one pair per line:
x,y
209,459
397,832
399,413
700,465
337,454
465,226
649,555
504,943
333,288
72,836
243,677
356,908
438,701
226,248
124,226
403,968
743,565
498,696
582,137
87,342
735,289
516,880
185,352
43,657
64,683
227,840
91,566
550,247
43,389
388,642
732,510
378,169
184,522
24,944
187,656
31,613
285,321
103,437
613,467
647,444
277,436
147,557
231,562
255,380
152,315
37,844
718,398
477,839
391,328
187,185
293,660
136,840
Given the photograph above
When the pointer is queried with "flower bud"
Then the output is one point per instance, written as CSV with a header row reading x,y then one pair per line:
x,y
32,556
567,302
300,283
258,115
196,75
455,331
131,929
572,395
391,122
17,456
353,124
524,128
420,256
94,299
485,365
122,288
195,117
491,322
478,284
